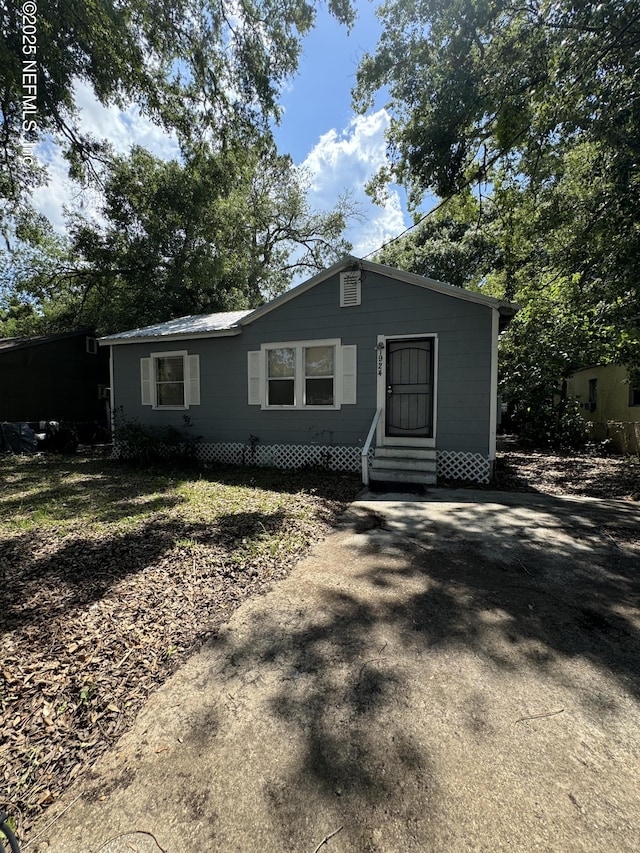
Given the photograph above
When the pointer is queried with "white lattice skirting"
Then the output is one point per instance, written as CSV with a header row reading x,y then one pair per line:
x,y
452,465
455,465
334,458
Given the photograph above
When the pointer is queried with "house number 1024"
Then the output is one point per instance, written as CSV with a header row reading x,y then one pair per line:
x,y
380,360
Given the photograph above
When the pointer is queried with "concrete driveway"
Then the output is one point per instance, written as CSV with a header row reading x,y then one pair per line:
x,y
449,673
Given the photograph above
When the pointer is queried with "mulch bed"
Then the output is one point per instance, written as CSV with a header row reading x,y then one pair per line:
x,y
582,474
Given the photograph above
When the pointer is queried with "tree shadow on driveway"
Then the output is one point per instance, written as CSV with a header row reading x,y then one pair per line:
x,y
563,575
429,625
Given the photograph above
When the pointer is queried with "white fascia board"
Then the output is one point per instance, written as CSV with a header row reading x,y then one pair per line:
x,y
157,339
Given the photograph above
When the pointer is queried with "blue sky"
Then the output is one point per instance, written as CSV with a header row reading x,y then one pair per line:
x,y
339,150
319,98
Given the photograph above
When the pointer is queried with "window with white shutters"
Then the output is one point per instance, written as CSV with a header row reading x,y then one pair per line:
x,y
302,375
170,380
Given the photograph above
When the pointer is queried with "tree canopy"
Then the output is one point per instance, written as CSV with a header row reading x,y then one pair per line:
x,y
533,110
217,232
223,225
196,67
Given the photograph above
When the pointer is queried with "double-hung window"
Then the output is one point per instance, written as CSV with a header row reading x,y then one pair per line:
x,y
319,375
303,375
170,380
281,372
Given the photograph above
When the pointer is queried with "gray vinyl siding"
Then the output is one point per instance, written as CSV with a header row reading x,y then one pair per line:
x,y
389,308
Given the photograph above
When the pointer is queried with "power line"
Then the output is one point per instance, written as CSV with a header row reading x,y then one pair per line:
x,y
411,227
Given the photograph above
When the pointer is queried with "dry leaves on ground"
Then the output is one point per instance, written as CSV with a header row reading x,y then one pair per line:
x,y
96,614
583,474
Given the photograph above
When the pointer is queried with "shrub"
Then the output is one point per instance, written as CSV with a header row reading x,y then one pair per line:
x,y
141,443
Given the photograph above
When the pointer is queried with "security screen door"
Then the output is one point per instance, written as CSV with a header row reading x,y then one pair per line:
x,y
409,396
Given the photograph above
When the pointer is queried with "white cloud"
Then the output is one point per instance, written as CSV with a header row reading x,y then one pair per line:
x,y
58,192
381,225
345,161
340,161
123,129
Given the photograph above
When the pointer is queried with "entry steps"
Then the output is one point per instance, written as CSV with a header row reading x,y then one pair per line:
x,y
404,465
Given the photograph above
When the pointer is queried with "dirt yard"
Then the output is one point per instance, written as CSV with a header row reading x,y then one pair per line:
x,y
112,577
455,671
582,474
116,577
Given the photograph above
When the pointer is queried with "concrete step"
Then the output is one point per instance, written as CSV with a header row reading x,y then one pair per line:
x,y
405,453
389,475
404,464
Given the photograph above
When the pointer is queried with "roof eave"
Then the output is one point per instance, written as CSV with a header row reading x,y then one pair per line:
x,y
41,340
114,340
507,309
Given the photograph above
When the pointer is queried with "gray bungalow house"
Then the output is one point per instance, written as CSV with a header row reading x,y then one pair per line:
x,y
362,367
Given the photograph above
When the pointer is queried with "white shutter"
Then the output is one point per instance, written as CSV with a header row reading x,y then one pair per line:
x,y
349,367
193,383
253,370
146,397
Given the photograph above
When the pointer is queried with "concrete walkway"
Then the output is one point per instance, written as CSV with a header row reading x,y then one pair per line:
x,y
449,673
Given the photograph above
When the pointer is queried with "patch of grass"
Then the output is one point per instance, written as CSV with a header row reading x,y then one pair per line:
x,y
113,574
60,495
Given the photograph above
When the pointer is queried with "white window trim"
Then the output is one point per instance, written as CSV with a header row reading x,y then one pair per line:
x,y
185,373
299,378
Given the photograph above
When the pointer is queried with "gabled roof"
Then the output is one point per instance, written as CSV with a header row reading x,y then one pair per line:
x,y
195,325
230,323
37,340
507,309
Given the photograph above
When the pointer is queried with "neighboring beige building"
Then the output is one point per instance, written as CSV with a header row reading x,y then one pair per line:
x,y
610,403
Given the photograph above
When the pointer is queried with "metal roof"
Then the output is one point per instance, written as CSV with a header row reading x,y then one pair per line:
x,y
200,325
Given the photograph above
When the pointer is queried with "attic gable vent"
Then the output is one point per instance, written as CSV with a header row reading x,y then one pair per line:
x,y
350,288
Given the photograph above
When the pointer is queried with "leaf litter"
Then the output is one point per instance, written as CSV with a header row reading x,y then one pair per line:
x,y
100,607
113,576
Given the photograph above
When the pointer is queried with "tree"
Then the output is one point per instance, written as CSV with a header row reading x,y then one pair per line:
x,y
196,67
273,234
205,70
222,231
534,108
454,245
210,72
27,273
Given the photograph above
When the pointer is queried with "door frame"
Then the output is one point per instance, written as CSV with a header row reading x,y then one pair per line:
x,y
383,440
